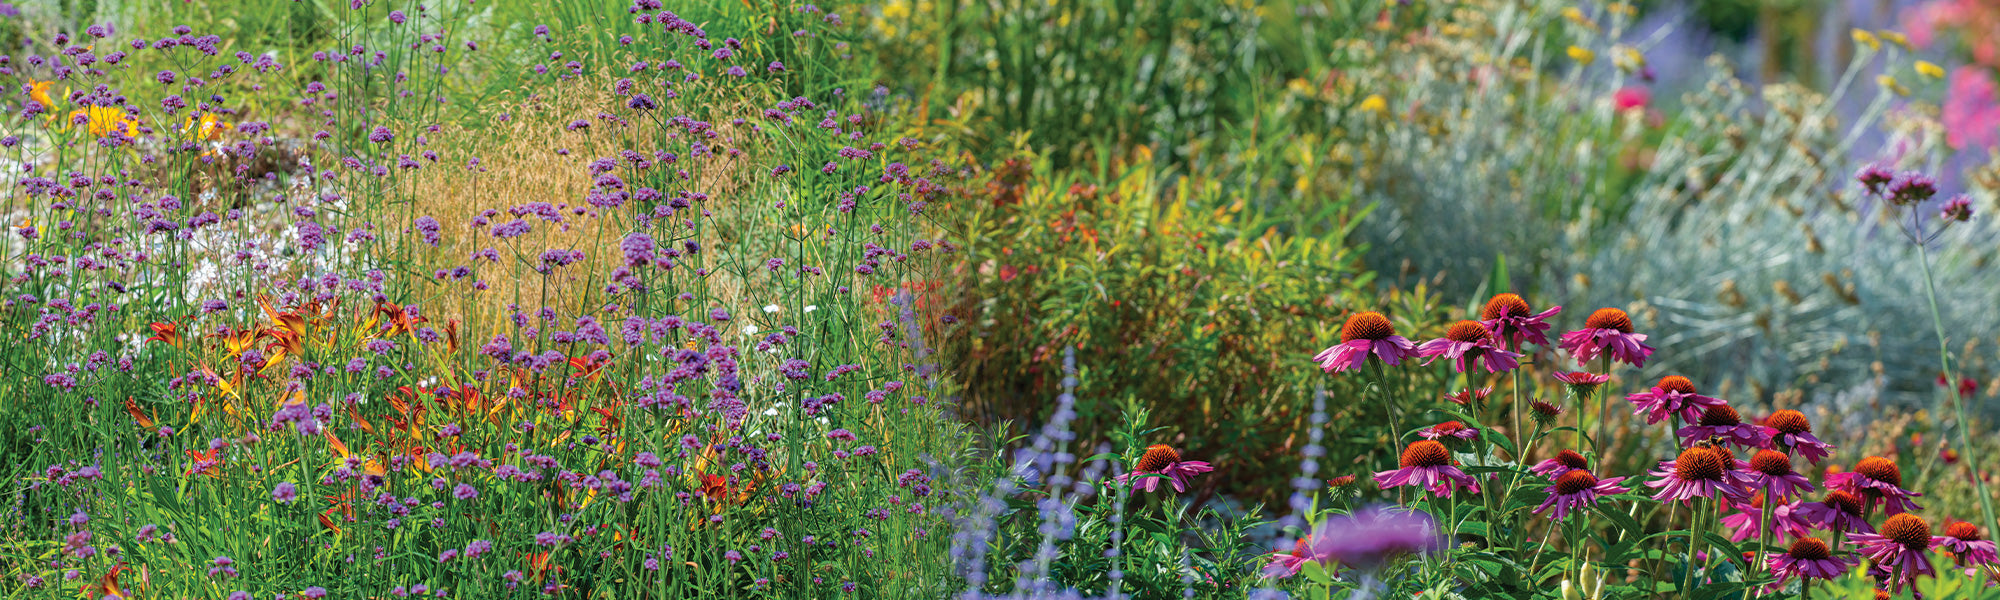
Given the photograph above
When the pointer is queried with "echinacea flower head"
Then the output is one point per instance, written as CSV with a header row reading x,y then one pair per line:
x,y
1582,384
1791,432
1747,521
1876,480
1699,472
1721,423
1673,397
1368,538
1576,490
1967,547
1475,397
1807,559
1564,462
1771,473
1449,431
1364,335
1900,549
1544,413
1468,341
1161,459
1839,511
1428,464
1511,320
1286,564
1607,332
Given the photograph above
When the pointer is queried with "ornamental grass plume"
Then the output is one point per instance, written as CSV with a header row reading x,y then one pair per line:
x,y
1469,342
1428,464
1365,335
1161,462
1608,332
1901,551
1509,319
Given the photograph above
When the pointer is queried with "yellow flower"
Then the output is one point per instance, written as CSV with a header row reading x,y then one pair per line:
x,y
104,120
1866,39
1888,81
39,92
1374,103
208,129
1582,54
1894,37
1627,58
1930,69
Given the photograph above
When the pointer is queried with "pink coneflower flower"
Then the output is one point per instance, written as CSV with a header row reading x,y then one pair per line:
x,y
1876,480
1508,317
1901,549
1468,341
1701,471
1771,473
1286,564
1575,490
1967,547
1582,384
1609,332
1449,429
1161,459
1470,396
1631,97
1674,397
1564,462
1807,559
1426,463
1791,432
1748,520
1840,511
1544,413
1365,334
1722,423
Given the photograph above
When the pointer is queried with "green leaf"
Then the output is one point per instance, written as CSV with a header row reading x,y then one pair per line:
x,y
1316,573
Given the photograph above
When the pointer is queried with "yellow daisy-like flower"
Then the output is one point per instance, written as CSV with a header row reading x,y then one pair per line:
x,y
1930,69
1374,103
1894,37
39,92
208,129
1581,54
1889,82
1864,38
104,120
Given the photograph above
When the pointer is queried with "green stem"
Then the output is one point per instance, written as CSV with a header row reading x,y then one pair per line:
x,y
1597,444
1764,535
1951,393
1697,535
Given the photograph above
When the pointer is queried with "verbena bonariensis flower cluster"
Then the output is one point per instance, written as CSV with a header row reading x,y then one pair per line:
x,y
1733,508
333,345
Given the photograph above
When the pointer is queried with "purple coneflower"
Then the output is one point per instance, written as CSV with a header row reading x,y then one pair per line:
x,y
1286,564
1426,463
1807,559
1365,334
1564,462
1608,332
1876,480
1966,546
1674,396
1582,384
1161,459
1509,318
1575,490
1468,341
1722,423
1470,396
1701,471
1790,431
1544,413
1900,549
1840,511
1449,429
1748,520
1770,472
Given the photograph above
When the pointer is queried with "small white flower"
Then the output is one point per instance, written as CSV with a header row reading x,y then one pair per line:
x,y
771,308
812,307
749,329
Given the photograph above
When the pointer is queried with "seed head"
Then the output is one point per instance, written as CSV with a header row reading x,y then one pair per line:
x,y
1426,453
1366,326
1505,305
1609,318
1157,457
1880,469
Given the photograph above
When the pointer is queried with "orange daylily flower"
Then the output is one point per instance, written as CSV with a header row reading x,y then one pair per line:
x,y
168,332
132,408
212,459
39,92
102,121
108,585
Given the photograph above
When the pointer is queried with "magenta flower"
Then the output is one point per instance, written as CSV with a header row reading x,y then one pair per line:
x,y
1790,432
1161,459
1575,490
1508,317
1608,332
1808,559
1967,547
1449,429
1901,550
1971,111
1426,463
1876,480
1564,462
1747,521
1286,564
1366,334
1468,341
1582,384
1674,397
1770,472
1699,472
1720,423
1370,537
1840,511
